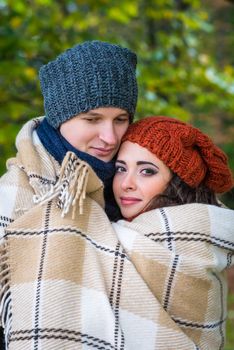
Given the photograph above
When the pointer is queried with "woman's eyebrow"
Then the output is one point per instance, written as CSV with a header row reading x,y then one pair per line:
x,y
139,162
142,162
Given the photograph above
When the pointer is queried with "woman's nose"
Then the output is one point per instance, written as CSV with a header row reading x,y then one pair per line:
x,y
129,183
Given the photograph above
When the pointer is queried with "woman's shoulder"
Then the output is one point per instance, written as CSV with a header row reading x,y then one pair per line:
x,y
187,218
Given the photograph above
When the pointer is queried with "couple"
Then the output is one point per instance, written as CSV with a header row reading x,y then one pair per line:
x,y
92,262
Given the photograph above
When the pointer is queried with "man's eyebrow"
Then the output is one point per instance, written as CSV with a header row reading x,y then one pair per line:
x,y
123,114
96,114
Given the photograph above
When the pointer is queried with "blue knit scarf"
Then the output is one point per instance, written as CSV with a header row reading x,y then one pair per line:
x,y
58,146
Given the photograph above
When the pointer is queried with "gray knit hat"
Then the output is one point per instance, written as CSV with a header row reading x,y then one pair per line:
x,y
89,75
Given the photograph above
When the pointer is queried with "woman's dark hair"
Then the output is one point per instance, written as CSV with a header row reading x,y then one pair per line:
x,y
178,192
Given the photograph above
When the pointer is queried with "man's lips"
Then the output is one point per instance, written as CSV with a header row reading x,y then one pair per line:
x,y
102,151
129,200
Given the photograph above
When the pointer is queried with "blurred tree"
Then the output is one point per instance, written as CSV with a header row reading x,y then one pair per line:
x,y
185,60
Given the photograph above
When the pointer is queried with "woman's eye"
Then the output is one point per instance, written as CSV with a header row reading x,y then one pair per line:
x,y
148,172
119,169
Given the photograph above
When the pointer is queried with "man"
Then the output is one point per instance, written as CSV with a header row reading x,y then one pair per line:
x,y
90,95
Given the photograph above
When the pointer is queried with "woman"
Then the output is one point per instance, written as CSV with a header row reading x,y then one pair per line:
x,y
90,95
176,233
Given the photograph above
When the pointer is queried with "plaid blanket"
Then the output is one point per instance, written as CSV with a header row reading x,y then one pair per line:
x,y
181,253
71,280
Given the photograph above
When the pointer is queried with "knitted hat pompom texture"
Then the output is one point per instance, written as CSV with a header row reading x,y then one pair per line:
x,y
185,150
90,75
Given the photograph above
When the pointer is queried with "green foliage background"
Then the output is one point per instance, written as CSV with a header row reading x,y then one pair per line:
x,y
185,61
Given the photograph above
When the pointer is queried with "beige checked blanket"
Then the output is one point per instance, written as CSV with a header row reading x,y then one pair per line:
x,y
181,253
71,280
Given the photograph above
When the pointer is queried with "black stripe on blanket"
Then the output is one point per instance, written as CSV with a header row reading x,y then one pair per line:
x,y
222,310
190,237
62,334
188,324
116,291
229,259
169,237
114,273
40,273
170,282
169,233
68,230
5,221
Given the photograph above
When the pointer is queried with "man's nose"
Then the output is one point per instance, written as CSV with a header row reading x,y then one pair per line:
x,y
108,134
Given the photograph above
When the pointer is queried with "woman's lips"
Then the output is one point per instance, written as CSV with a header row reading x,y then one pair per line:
x,y
129,200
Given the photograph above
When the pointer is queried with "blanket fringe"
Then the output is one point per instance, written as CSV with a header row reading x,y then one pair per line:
x,y
70,188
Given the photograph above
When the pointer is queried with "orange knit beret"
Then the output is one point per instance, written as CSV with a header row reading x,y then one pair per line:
x,y
185,150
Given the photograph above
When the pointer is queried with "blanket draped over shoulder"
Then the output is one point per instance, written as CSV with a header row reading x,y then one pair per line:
x,y
72,280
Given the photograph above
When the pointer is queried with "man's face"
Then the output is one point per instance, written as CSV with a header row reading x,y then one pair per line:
x,y
97,132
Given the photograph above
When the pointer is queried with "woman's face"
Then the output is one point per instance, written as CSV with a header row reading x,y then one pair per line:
x,y
97,132
139,177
